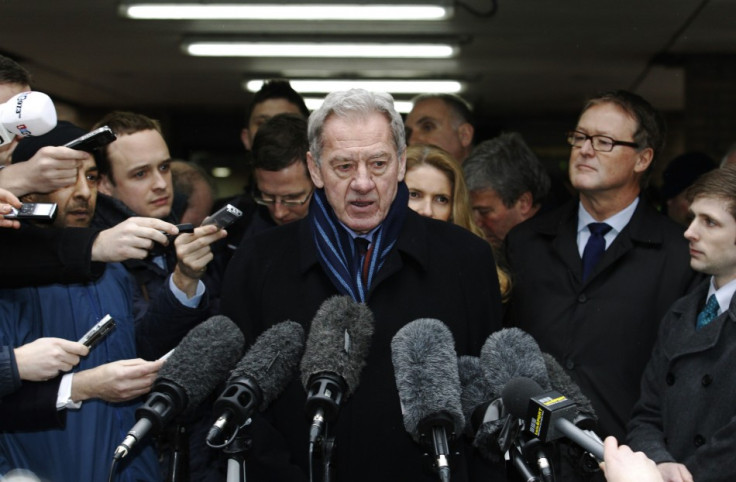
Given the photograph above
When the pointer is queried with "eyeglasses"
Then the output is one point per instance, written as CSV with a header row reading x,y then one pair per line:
x,y
270,201
600,143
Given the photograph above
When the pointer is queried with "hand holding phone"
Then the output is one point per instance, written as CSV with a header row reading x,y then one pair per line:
x,y
94,140
44,212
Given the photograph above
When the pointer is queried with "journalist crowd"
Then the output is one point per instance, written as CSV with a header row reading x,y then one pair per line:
x,y
387,300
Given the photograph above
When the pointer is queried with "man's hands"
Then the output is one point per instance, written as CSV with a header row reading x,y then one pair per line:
x,y
194,253
117,381
8,200
44,358
131,239
51,168
621,464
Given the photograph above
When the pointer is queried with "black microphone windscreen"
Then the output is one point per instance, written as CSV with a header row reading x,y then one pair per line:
x,y
203,358
517,394
562,382
511,353
427,379
272,360
338,342
477,395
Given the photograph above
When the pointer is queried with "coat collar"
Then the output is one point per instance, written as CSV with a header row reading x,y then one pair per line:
x,y
561,227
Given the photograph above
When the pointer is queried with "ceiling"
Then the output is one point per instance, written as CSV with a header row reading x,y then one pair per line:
x,y
531,58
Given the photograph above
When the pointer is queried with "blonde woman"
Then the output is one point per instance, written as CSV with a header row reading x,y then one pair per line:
x,y
437,190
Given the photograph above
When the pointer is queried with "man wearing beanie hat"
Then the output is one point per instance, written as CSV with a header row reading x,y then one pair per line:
x,y
679,174
111,377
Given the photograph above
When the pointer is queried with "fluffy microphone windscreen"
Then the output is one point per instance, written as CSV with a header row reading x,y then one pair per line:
x,y
477,394
427,379
560,381
511,353
203,358
338,341
272,360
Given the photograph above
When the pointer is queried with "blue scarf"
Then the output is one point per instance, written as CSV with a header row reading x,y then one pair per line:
x,y
337,252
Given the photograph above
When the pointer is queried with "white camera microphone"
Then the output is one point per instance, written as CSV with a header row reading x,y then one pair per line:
x,y
26,114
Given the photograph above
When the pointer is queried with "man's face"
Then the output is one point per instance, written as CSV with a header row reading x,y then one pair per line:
x,y
432,122
359,170
493,216
76,202
140,165
594,172
260,115
6,92
289,184
430,192
712,236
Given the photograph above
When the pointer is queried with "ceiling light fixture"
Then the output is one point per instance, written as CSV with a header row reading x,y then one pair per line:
x,y
401,106
286,11
393,86
321,49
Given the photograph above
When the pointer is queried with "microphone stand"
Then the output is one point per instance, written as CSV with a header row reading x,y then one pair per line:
x,y
179,461
517,459
236,451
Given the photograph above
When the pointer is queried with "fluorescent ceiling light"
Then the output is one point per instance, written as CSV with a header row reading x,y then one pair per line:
x,y
408,86
320,49
285,11
401,106
221,172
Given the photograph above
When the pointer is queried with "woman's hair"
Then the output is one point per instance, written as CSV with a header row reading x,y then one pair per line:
x,y
461,214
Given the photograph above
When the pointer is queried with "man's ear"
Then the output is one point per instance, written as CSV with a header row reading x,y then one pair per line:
x,y
105,185
644,160
245,138
402,166
525,203
314,172
465,133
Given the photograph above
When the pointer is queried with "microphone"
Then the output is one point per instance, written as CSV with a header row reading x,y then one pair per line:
x,y
585,416
428,382
336,349
200,362
507,354
547,413
258,378
26,114
511,353
484,412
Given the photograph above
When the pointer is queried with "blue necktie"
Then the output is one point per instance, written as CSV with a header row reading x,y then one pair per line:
x,y
709,313
595,247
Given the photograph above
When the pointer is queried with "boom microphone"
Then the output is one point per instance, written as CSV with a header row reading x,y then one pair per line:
x,y
200,362
337,346
585,417
511,353
547,414
427,379
26,114
258,378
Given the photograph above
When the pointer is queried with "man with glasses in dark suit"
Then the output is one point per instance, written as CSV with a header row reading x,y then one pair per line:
x,y
593,278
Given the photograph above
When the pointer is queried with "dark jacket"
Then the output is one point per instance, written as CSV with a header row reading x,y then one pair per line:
x,y
436,270
601,330
686,412
39,255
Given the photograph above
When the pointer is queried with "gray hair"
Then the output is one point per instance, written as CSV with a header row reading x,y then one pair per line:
x,y
354,103
508,166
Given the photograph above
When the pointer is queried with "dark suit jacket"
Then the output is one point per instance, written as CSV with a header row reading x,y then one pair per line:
x,y
437,270
601,330
686,412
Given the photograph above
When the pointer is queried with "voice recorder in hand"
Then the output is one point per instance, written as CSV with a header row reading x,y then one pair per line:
x,y
224,216
43,212
99,137
98,332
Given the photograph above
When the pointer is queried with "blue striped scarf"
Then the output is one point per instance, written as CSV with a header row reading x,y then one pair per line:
x,y
337,252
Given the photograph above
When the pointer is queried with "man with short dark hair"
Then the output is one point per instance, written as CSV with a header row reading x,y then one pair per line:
x,y
275,97
412,267
442,120
507,185
593,278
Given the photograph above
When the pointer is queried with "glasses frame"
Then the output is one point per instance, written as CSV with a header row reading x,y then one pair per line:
x,y
258,198
592,139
